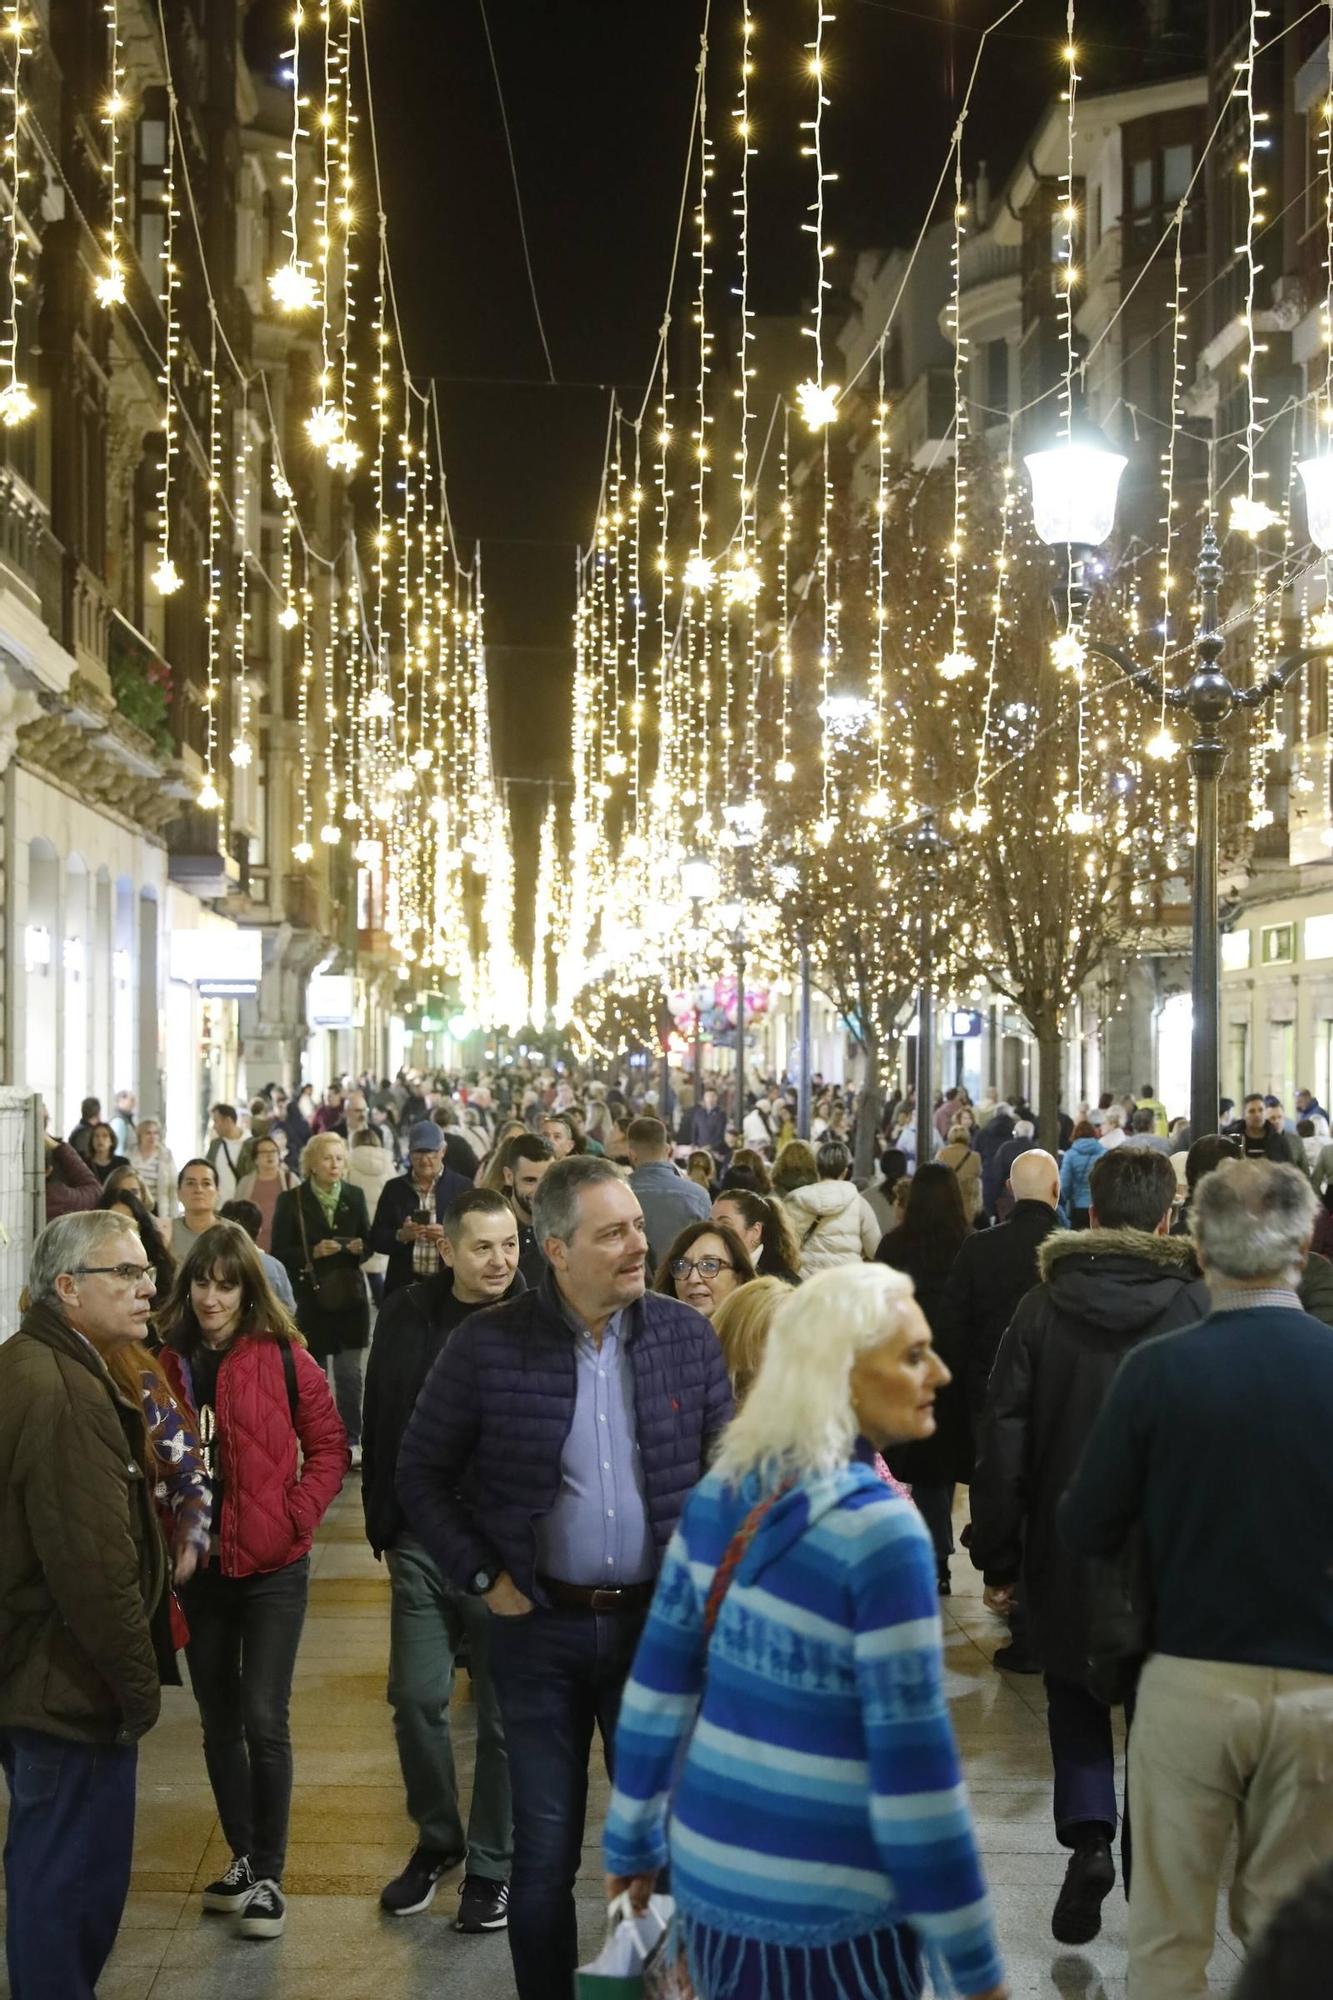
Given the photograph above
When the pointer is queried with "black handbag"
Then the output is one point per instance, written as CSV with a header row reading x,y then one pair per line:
x,y
337,1287
1120,1619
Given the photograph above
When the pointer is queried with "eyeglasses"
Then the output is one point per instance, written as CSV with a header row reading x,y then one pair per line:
x,y
707,1267
129,1274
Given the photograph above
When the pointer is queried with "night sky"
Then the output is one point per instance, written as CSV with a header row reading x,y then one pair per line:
x,y
599,95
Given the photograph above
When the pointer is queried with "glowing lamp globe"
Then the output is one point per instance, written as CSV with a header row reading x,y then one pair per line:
x,y
698,878
1074,489
1317,479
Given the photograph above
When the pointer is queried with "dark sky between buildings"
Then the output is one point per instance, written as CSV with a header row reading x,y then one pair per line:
x,y
599,95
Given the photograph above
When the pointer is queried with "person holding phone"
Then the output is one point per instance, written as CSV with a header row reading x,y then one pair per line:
x,y
409,1217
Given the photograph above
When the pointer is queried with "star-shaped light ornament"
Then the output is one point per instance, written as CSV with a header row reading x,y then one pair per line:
x,y
1163,746
1077,820
1252,517
209,798
16,405
109,288
956,665
743,583
698,574
818,403
292,288
166,578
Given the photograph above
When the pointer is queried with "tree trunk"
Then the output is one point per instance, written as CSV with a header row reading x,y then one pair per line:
x,y
1050,1055
868,1114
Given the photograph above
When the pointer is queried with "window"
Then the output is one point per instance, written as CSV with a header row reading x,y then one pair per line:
x,y
1278,944
150,192
1141,179
1236,955
1177,167
1319,937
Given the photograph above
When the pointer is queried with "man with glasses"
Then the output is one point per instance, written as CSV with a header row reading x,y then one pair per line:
x,y
575,1419
83,1572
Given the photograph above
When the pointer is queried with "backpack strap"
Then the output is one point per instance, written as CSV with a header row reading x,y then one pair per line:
x,y
289,1376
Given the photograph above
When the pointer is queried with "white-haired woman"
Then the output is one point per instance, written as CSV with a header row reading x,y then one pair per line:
x,y
820,1840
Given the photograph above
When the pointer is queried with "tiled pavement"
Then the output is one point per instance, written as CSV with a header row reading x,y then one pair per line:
x,y
350,1832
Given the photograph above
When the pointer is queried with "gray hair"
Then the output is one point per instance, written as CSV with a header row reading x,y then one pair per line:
x,y
1113,1118
555,1206
1251,1219
69,1242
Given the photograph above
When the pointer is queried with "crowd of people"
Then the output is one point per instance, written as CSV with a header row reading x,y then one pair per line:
x,y
662,1420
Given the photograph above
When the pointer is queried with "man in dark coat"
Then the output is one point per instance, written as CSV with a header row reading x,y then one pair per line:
x,y
545,1467
1103,1291
412,1247
430,1621
997,1131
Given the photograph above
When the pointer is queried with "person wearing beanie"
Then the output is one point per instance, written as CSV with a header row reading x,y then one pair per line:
x,y
409,1217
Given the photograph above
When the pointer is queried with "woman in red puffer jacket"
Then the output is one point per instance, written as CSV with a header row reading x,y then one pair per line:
x,y
276,1453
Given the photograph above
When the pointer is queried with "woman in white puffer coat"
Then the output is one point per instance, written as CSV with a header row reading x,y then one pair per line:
x,y
832,1221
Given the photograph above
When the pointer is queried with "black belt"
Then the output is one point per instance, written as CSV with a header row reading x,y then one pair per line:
x,y
621,1597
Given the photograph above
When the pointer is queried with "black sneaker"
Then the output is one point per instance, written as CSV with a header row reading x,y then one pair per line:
x,y
229,1892
1089,1879
1009,1660
483,1905
414,1889
265,1911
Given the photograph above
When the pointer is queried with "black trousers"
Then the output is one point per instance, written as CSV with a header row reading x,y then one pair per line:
x,y
244,1632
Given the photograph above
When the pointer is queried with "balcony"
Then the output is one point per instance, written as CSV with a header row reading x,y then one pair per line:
x,y
983,262
141,685
31,566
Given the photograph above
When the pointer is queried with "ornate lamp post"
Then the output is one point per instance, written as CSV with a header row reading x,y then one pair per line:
x,y
1073,497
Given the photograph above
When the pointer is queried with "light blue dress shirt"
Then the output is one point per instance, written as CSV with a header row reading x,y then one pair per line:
x,y
597,1532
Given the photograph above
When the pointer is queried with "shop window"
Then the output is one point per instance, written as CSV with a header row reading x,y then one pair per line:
x,y
1278,944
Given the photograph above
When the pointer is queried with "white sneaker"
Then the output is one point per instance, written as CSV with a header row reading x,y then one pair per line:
x,y
356,1455
265,1912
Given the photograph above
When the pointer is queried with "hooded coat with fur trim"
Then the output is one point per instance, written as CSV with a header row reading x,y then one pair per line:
x,y
1103,1292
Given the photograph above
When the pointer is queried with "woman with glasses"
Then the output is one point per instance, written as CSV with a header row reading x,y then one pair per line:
x,y
704,1265
155,1167
276,1453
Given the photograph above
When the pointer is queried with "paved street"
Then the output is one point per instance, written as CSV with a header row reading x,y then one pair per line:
x,y
350,1832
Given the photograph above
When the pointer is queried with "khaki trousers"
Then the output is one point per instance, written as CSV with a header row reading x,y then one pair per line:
x,y
1217,1747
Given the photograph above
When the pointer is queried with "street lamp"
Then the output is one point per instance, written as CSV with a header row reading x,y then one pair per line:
x,y
1073,501
699,880
928,847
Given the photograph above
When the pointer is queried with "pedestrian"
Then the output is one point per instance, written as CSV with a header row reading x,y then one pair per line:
x,y
749,1170
742,1324
70,1183
544,1469
1104,1291
122,1120
275,1453
1261,1139
528,1161
829,1217
1216,1442
101,1155
705,1124
760,1220
321,1232
83,1579
704,1265
669,1201
1084,1152
328,1117
409,1217
431,1620
155,1167
1149,1101
924,1246
119,1198
759,1127
994,1135
90,1112
224,1149
197,1186
784,1741
701,1168
246,1216
264,1183
964,1163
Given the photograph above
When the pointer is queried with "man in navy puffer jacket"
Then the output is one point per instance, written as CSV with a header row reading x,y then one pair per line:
x,y
545,1467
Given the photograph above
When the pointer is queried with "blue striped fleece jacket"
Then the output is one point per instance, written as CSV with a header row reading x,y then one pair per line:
x,y
820,1798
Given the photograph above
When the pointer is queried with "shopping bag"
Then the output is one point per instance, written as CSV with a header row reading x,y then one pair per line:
x,y
617,1971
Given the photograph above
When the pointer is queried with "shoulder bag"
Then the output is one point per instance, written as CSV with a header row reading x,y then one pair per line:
x,y
340,1289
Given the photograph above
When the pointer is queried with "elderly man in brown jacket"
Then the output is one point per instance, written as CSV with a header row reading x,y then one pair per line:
x,y
82,1572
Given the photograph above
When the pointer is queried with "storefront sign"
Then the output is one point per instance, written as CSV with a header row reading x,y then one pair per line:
x,y
330,1000
223,965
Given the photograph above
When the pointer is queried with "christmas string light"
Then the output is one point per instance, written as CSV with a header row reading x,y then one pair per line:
x,y
1164,746
877,805
1069,651
242,749
345,454
324,424
978,817
109,285
784,770
292,286
209,797
957,662
304,851
699,571
637,627
16,404
1250,513
166,578
817,398
744,582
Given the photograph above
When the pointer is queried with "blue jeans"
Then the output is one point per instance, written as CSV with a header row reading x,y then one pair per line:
x,y
67,1860
1083,1754
558,1674
244,1632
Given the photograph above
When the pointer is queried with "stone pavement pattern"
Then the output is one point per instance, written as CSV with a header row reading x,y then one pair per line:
x,y
350,1832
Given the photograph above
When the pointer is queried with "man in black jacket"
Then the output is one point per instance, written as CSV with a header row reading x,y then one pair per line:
x,y
414,1249
1103,1291
430,1622
529,1158
991,1273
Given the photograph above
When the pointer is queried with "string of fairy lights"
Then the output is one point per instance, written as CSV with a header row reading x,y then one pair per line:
x,y
716,684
